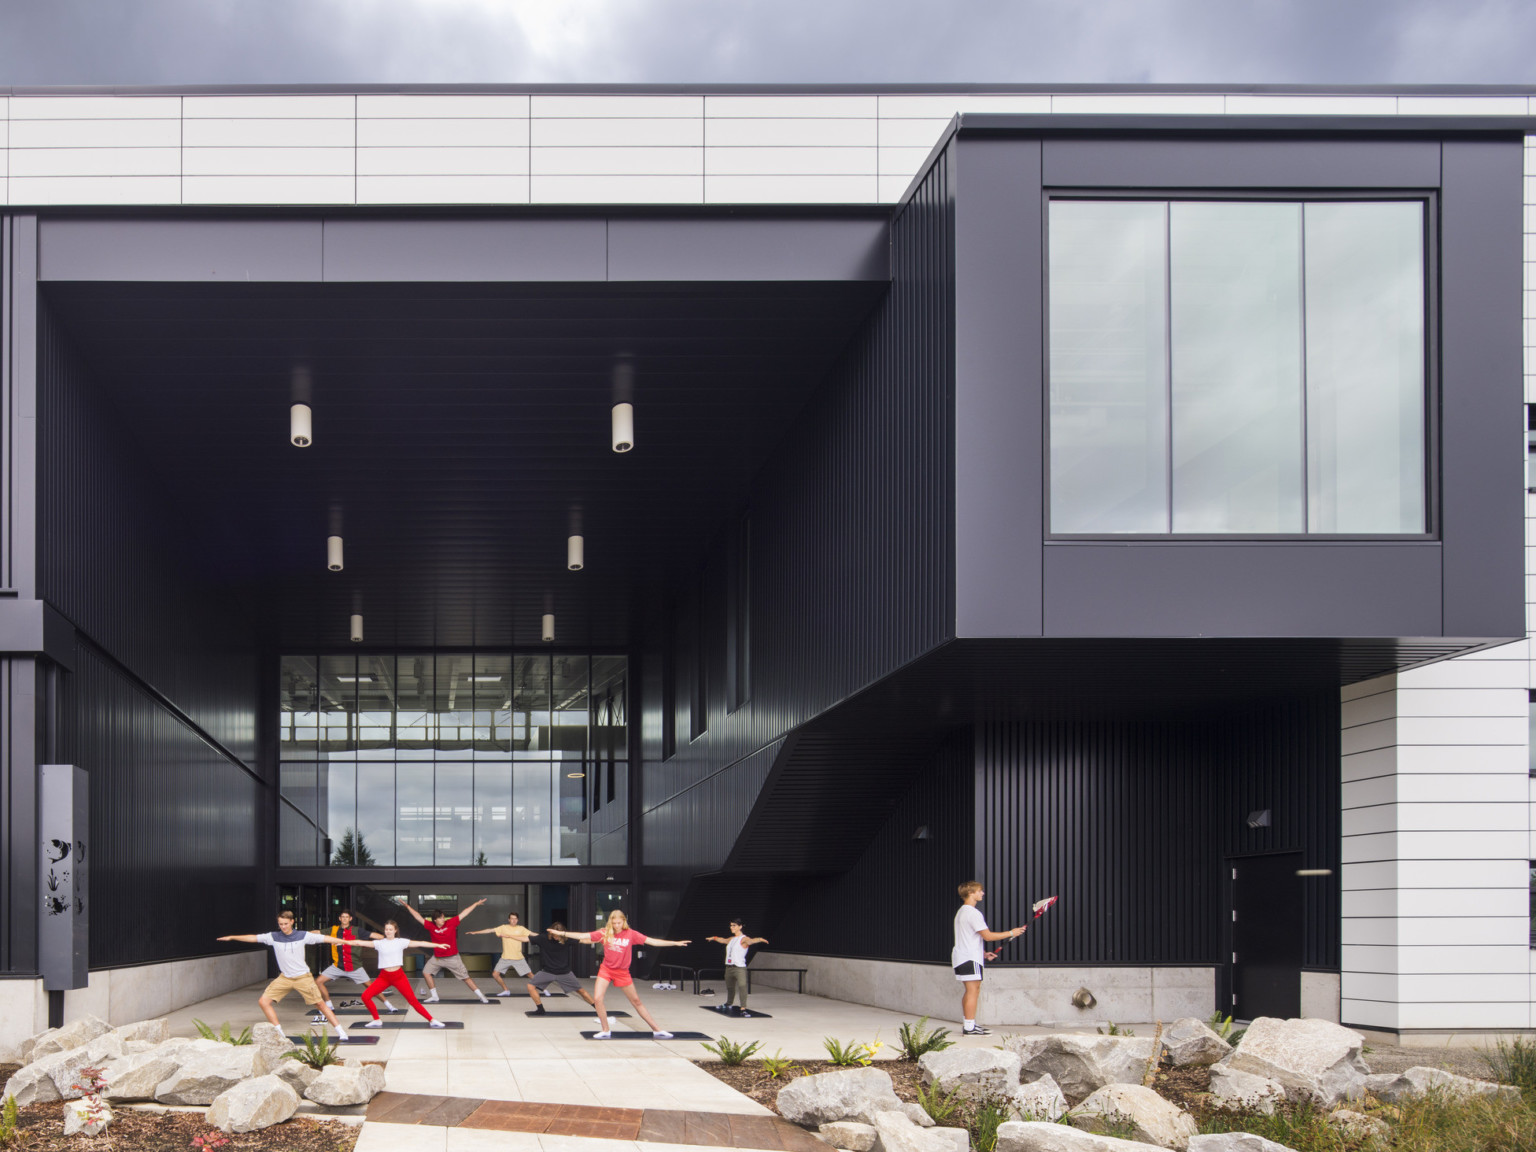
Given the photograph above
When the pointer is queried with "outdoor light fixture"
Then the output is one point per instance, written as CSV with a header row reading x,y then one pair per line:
x,y
623,427
548,632
576,553
300,426
333,553
575,775
357,628
1259,818
922,833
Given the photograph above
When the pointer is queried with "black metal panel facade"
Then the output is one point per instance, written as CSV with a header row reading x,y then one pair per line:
x,y
118,558
895,902
850,536
1133,825
176,823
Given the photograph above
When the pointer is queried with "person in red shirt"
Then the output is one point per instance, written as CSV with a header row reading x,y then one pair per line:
x,y
444,929
619,941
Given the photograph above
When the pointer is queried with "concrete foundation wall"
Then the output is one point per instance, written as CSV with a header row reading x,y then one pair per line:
x,y
23,1013
1320,995
1010,996
123,995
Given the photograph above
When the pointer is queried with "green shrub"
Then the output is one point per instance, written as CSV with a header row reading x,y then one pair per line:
x,y
732,1054
10,1122
777,1064
223,1033
915,1039
1221,1025
1436,1122
1116,1030
318,1051
847,1054
940,1106
1513,1062
1301,1126
982,1123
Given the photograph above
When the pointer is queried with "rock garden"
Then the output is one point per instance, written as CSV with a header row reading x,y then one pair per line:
x,y
88,1084
1284,1086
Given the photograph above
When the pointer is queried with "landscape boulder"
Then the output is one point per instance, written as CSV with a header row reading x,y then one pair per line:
x,y
251,1104
205,1072
1359,1126
850,1135
1235,1142
848,1094
972,1072
86,1117
138,1076
75,1034
270,1043
145,1031
1394,1088
1233,1089
1192,1042
1081,1064
1308,1057
1039,1100
49,1078
918,1113
1152,1119
1038,1136
340,1085
899,1134
296,1075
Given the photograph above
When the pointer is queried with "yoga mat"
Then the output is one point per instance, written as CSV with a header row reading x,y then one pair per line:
x,y
648,1036
352,1038
588,1013
391,1026
749,1014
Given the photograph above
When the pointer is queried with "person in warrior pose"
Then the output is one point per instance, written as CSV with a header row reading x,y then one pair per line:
x,y
444,929
391,950
293,970
969,955
736,946
619,941
513,937
343,965
555,957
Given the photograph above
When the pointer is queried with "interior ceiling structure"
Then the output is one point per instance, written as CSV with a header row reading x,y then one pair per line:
x,y
458,429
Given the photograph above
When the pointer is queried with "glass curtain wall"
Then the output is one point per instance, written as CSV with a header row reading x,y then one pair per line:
x,y
1242,367
453,759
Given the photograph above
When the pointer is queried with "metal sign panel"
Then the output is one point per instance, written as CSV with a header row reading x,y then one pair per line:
x,y
63,932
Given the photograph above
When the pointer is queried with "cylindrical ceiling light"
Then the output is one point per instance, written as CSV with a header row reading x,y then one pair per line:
x,y
576,553
333,553
548,632
300,426
623,427
357,627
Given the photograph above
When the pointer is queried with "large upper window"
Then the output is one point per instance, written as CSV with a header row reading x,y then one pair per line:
x,y
1247,367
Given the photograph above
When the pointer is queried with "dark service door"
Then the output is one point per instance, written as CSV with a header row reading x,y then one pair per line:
x,y
1266,936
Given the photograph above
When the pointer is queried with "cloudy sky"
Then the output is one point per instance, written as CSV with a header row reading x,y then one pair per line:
x,y
163,42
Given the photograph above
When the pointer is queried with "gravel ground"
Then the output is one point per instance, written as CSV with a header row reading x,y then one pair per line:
x,y
1462,1061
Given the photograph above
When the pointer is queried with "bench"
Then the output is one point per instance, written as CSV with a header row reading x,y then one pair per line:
x,y
700,973
687,974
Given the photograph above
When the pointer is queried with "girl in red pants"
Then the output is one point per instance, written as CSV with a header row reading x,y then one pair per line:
x,y
391,949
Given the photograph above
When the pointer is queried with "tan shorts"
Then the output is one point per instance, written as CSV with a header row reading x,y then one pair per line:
x,y
304,985
453,965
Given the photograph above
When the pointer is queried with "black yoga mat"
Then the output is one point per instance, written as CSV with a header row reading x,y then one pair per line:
x,y
589,1013
749,1014
352,1038
648,1036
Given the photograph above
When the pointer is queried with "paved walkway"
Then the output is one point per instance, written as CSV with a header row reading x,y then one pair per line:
x,y
503,1056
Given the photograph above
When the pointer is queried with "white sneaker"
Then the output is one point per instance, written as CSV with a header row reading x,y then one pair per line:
x,y
602,1035
341,1036
374,1024
483,1000
432,999
388,1007
661,1035
500,994
436,1024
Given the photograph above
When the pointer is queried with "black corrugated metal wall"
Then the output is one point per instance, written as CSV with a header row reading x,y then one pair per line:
x,y
851,529
160,708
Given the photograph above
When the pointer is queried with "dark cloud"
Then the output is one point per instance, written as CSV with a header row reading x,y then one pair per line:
x,y
204,42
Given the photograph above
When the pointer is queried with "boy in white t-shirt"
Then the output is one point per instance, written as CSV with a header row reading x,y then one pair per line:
x,y
969,955
293,969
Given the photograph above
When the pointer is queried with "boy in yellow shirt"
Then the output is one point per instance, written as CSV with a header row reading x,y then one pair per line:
x,y
513,937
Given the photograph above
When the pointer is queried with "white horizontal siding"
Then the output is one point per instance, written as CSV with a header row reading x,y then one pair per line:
x,y
763,148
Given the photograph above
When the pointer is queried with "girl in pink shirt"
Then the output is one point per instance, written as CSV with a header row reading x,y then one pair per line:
x,y
619,941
